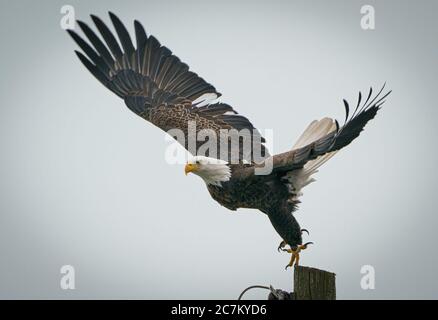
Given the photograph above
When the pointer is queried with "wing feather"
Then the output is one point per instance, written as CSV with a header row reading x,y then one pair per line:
x,y
123,34
335,140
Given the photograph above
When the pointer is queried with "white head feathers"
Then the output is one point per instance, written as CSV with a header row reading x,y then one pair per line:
x,y
212,171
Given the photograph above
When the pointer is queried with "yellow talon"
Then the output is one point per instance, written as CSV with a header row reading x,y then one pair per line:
x,y
295,258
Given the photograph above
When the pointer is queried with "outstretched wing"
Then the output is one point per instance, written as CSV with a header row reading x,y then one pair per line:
x,y
323,147
158,87
335,139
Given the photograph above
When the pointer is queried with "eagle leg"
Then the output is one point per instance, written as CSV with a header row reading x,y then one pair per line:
x,y
283,243
295,258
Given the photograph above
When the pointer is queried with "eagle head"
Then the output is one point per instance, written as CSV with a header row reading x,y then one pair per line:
x,y
212,171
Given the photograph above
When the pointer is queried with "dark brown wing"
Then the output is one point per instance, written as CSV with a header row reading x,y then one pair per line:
x,y
157,86
335,140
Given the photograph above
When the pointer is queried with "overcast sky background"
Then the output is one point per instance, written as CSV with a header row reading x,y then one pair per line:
x,y
84,181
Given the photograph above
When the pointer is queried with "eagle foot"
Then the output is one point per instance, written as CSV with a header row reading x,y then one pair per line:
x,y
283,243
295,251
281,246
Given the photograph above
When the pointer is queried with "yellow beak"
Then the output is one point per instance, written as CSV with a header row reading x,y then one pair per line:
x,y
190,167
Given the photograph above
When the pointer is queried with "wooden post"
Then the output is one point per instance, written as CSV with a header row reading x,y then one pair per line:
x,y
313,284
309,284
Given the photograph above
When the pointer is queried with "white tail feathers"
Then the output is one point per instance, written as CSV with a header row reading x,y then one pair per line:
x,y
298,179
315,130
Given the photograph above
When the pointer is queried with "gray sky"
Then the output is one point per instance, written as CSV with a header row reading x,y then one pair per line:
x,y
84,181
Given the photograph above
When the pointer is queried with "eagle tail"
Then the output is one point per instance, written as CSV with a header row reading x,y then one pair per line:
x,y
298,179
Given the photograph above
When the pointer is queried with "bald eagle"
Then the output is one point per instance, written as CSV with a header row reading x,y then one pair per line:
x,y
157,86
